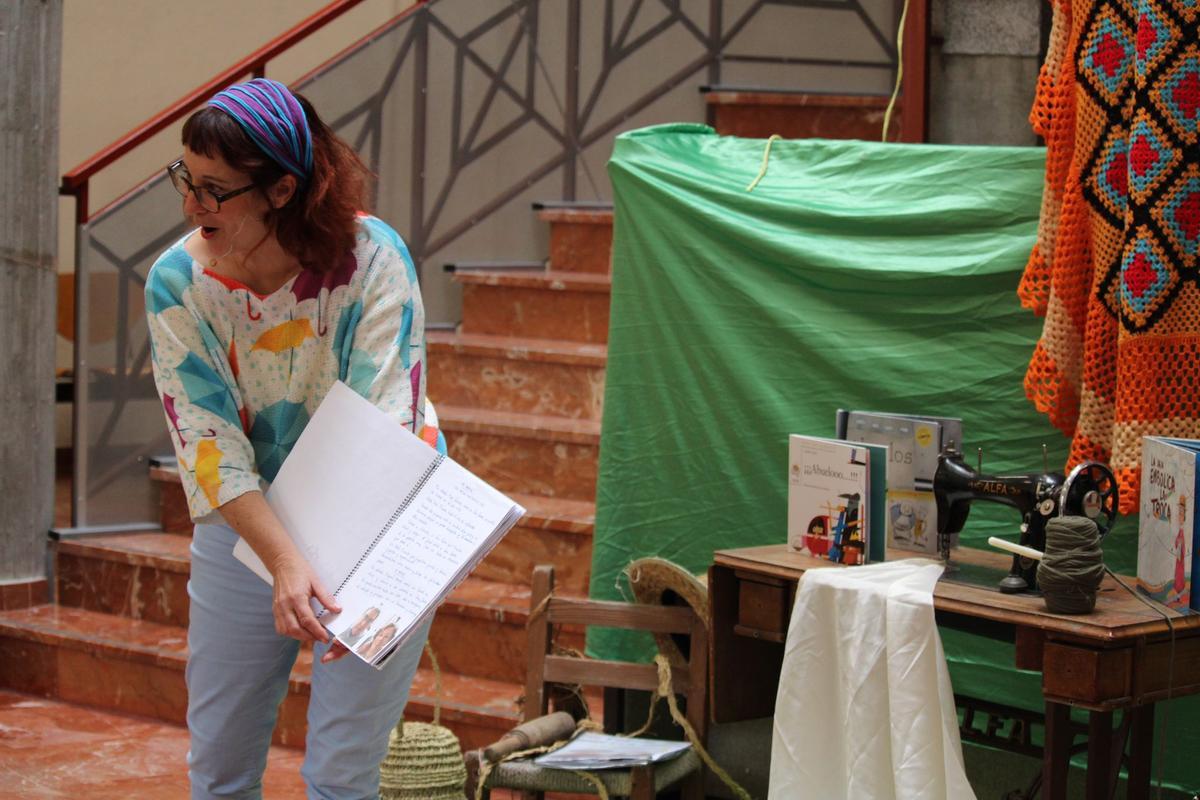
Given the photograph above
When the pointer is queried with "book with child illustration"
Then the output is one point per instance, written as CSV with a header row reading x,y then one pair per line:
x,y
389,525
836,494
1168,560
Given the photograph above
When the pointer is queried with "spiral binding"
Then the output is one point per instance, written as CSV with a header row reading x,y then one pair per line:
x,y
387,526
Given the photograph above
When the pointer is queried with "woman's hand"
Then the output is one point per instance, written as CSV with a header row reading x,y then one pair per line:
x,y
336,651
295,584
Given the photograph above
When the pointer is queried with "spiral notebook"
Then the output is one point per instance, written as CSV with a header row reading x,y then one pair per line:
x,y
389,525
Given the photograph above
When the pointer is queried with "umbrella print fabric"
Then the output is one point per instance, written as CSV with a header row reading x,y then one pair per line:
x,y
204,388
274,433
208,477
285,336
308,284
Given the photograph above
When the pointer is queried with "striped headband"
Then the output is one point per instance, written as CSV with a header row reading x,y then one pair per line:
x,y
272,117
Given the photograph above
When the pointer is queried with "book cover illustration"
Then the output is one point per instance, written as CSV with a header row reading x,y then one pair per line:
x,y
930,435
912,446
912,521
1167,527
827,499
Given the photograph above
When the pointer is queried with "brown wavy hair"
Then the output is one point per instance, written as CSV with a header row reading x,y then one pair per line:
x,y
317,225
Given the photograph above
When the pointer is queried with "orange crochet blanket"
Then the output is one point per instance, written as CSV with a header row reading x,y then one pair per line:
x,y
1114,270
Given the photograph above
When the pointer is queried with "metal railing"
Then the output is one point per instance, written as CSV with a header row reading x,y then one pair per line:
x,y
468,111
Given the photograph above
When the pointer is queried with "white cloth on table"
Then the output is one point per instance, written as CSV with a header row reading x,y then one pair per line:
x,y
865,709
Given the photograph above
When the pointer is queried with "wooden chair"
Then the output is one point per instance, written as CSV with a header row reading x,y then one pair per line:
x,y
548,669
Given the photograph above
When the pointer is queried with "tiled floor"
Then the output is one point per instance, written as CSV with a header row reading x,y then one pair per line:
x,y
50,749
56,750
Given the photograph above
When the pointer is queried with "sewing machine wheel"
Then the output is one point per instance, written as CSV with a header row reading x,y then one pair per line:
x,y
1091,491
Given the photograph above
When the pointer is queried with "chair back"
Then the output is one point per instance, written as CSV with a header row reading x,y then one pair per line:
x,y
547,668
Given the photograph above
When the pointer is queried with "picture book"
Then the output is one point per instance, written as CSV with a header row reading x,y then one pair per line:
x,y
1168,560
836,493
389,525
913,445
929,436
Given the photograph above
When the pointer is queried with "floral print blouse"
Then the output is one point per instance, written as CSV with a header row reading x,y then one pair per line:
x,y
240,374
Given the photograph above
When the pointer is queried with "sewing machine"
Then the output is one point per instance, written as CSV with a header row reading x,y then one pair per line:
x,y
1090,490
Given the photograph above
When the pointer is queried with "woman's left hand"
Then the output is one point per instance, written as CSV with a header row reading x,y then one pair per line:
x,y
335,651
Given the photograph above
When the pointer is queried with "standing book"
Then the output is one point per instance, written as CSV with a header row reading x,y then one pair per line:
x,y
836,494
389,525
913,444
1168,562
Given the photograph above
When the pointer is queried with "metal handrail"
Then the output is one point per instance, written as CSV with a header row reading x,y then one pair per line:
x,y
422,40
75,181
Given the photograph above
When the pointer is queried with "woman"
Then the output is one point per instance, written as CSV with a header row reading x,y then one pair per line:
x,y
376,643
280,290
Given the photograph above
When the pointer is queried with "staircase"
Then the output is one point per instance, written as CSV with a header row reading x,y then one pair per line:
x,y
519,392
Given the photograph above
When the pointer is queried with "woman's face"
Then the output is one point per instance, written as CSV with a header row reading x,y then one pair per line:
x,y
239,223
366,620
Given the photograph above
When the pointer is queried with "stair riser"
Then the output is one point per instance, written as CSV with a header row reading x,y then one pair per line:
x,y
580,247
159,691
107,681
128,590
575,391
574,316
532,466
522,549
485,648
159,595
174,514
798,122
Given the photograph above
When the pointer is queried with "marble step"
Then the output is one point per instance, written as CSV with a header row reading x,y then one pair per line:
x,y
757,114
529,453
580,235
553,304
532,376
554,531
143,577
136,667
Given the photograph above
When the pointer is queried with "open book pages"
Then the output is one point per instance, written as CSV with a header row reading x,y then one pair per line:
x,y
592,750
389,525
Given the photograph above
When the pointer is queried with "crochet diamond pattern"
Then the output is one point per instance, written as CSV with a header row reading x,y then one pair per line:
x,y
1114,270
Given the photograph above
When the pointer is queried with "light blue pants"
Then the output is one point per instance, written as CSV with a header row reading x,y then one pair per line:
x,y
237,675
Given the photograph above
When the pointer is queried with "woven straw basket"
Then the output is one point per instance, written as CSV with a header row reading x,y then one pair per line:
x,y
424,762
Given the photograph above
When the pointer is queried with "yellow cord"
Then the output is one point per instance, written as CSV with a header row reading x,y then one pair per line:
x,y
766,155
887,115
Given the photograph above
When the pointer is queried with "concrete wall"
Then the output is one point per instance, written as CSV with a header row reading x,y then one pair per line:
x,y
29,53
983,66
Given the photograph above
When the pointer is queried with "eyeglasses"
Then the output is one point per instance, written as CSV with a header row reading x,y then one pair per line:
x,y
207,198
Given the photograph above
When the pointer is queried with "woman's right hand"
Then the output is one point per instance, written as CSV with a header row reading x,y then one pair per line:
x,y
295,584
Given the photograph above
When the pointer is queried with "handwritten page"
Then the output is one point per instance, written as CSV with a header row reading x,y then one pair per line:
x,y
440,536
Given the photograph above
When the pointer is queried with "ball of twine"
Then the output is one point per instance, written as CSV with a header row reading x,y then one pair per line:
x,y
1071,570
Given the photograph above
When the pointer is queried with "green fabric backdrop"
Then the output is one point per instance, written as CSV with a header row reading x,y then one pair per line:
x,y
855,275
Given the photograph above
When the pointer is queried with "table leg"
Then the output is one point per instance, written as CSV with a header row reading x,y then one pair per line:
x,y
1141,751
1100,754
1056,751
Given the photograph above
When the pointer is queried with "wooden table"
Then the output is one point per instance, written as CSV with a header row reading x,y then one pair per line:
x,y
1116,658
